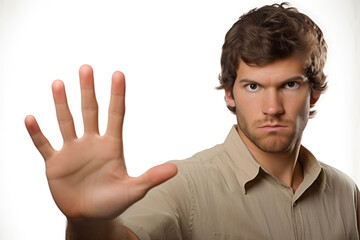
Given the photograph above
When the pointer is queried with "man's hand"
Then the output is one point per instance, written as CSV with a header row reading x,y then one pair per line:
x,y
88,177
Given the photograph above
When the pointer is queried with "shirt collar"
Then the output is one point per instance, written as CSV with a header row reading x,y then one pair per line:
x,y
248,168
312,171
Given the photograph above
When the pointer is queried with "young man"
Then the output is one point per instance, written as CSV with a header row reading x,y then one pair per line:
x,y
261,183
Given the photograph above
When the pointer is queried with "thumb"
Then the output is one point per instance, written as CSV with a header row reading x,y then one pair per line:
x,y
157,175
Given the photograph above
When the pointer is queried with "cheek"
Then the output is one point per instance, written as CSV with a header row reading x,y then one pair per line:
x,y
248,109
300,109
299,103
243,104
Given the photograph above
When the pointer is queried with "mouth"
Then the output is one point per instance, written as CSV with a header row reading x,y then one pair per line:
x,y
272,127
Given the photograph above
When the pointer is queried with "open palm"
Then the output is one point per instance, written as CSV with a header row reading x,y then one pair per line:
x,y
87,176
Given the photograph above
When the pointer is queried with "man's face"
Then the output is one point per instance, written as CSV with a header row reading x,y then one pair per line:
x,y
272,104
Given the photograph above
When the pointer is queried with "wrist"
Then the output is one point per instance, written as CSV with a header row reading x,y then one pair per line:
x,y
91,229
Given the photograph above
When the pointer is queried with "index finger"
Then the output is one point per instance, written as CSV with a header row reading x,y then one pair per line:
x,y
117,106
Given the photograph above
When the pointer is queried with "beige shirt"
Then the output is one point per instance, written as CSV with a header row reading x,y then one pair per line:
x,y
223,193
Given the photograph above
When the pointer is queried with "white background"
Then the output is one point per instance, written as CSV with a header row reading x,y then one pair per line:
x,y
170,54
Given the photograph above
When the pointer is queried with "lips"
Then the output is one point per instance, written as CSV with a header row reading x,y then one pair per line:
x,y
273,127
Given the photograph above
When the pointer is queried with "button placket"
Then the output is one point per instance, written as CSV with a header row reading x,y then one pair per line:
x,y
297,218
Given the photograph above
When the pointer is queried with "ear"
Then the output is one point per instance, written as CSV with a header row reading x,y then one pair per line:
x,y
229,98
315,95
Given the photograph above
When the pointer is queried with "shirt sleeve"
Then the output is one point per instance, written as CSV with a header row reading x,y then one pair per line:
x,y
164,212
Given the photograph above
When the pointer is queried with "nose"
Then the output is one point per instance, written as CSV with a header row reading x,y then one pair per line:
x,y
272,103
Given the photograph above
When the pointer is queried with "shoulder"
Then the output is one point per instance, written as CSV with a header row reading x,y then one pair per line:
x,y
207,170
206,158
335,178
194,175
207,162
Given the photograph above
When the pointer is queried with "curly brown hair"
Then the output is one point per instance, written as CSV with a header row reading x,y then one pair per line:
x,y
270,33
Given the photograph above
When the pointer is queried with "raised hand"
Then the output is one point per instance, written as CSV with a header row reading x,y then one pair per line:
x,y
88,177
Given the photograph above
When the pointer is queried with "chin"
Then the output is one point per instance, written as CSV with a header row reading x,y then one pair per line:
x,y
272,145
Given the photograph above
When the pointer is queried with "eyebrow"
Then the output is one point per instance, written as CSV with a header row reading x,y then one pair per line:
x,y
298,77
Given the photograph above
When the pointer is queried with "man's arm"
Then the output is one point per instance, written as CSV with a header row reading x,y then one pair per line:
x,y
87,176
98,229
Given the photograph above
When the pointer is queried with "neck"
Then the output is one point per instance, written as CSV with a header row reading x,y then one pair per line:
x,y
283,165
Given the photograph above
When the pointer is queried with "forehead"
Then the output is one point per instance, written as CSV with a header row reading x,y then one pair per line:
x,y
278,70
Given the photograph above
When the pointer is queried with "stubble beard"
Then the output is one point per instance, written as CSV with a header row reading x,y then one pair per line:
x,y
271,142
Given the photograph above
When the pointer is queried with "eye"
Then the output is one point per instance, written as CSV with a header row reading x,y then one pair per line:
x,y
252,87
291,85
